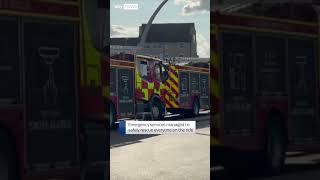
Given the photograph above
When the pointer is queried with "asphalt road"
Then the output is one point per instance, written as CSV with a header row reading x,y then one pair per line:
x,y
299,166
162,157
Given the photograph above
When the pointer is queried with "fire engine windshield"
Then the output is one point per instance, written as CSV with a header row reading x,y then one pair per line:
x,y
143,69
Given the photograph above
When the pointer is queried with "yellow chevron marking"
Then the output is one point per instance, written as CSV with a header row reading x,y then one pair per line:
x,y
174,77
173,86
173,67
168,99
169,91
173,103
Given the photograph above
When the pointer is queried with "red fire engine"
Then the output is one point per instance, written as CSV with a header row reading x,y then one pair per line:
x,y
146,82
265,88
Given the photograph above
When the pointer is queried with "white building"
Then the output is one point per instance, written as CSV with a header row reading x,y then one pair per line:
x,y
170,40
163,41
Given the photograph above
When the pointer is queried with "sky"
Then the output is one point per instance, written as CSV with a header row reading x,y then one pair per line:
x,y
125,23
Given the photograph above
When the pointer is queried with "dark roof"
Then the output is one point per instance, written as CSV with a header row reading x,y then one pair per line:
x,y
124,41
172,32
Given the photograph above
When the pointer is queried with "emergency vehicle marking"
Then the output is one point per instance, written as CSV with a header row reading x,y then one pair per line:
x,y
122,63
169,96
172,90
192,69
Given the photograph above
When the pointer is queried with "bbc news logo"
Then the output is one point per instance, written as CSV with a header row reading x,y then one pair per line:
x,y
127,6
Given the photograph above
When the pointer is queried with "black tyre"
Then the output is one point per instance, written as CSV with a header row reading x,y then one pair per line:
x,y
275,148
112,117
8,159
191,112
157,110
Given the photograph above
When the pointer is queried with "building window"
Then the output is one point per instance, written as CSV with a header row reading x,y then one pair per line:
x,y
181,45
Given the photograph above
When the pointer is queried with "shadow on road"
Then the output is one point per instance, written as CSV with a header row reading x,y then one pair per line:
x,y
117,140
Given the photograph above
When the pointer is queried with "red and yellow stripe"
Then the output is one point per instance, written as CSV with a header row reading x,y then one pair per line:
x,y
171,90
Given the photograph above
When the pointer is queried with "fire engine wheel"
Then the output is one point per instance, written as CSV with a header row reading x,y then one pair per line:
x,y
112,116
8,167
275,149
157,110
191,112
